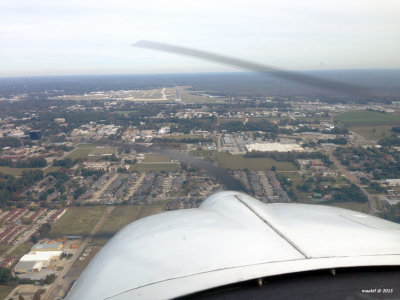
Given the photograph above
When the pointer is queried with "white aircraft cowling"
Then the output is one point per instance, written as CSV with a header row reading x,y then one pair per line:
x,y
232,238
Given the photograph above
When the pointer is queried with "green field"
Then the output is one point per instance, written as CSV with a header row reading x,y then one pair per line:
x,y
119,217
15,171
152,209
101,151
238,162
187,97
77,221
79,153
86,146
124,112
52,169
373,132
84,152
156,167
364,117
150,157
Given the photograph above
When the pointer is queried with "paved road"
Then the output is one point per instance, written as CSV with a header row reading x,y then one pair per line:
x,y
353,179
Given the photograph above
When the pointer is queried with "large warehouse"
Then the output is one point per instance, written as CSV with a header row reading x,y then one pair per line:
x,y
39,257
36,260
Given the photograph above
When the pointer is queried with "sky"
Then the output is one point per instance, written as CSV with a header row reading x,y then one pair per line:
x,y
50,37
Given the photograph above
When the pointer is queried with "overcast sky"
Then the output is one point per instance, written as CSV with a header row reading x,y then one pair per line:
x,y
46,37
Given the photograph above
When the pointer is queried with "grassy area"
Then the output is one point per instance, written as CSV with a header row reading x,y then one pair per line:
x,y
364,117
191,98
15,171
152,209
155,158
77,221
21,250
80,152
86,146
124,112
5,290
101,151
52,169
357,206
373,132
156,167
184,136
238,162
119,217
3,249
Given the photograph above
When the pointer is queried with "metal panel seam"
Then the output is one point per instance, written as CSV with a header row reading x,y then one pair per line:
x,y
273,228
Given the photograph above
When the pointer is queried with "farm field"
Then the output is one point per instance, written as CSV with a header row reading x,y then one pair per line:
x,y
364,117
238,162
77,221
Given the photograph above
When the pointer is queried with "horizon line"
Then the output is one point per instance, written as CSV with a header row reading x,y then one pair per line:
x,y
184,73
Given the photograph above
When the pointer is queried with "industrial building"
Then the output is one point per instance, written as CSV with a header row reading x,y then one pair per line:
x,y
35,261
40,256
274,146
47,247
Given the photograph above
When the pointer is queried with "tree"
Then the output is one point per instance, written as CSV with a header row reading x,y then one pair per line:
x,y
273,168
44,229
5,275
34,239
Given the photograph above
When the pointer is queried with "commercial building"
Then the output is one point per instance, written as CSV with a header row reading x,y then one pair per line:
x,y
278,147
35,261
47,247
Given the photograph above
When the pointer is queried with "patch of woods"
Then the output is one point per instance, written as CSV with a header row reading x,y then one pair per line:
x,y
11,187
320,185
37,162
381,163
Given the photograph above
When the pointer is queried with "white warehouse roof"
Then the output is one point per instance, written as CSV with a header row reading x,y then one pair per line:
x,y
40,256
232,238
279,147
